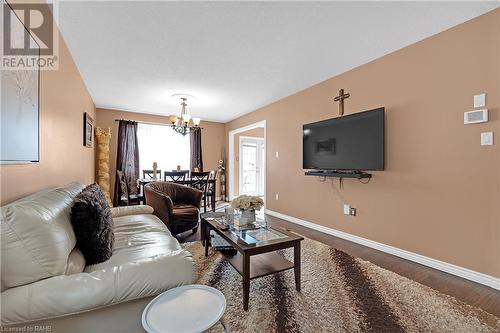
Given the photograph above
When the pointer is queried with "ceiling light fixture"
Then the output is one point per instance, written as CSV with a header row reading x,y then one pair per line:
x,y
185,123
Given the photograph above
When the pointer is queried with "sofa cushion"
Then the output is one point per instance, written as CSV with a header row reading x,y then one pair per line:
x,y
93,225
131,210
138,237
37,236
146,261
185,214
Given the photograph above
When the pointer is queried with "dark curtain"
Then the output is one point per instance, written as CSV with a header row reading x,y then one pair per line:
x,y
127,157
196,158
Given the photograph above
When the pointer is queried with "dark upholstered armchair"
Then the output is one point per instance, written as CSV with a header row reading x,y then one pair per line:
x,y
178,206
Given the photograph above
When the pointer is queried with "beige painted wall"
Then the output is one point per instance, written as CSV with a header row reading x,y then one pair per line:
x,y
63,158
212,139
439,195
254,133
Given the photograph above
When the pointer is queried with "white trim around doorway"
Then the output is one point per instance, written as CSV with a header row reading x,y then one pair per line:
x,y
231,134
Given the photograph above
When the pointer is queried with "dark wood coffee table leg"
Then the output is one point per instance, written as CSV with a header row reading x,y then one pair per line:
x,y
202,231
296,265
246,280
207,238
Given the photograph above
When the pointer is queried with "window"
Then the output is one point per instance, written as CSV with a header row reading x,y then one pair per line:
x,y
161,144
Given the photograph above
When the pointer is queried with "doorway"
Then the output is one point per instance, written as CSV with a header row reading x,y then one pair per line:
x,y
251,166
247,160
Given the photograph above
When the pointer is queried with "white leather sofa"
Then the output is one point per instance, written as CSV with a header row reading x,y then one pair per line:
x,y
46,284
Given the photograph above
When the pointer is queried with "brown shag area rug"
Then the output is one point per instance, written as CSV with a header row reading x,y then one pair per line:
x,y
340,293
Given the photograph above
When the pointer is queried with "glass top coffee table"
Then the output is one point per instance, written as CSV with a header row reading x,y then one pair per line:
x,y
256,250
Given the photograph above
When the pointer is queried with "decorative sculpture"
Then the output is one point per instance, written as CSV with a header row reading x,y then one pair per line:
x,y
340,98
103,136
155,173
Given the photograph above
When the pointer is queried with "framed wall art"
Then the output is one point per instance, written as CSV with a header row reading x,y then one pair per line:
x,y
88,130
20,104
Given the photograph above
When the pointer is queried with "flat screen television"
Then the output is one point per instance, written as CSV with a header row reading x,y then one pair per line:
x,y
351,142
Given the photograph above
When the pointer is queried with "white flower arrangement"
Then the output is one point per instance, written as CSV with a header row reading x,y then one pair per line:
x,y
247,202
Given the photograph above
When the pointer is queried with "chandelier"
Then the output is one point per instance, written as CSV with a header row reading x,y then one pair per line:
x,y
184,124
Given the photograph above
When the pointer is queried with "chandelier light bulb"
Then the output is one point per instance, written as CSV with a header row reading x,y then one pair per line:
x,y
173,120
186,118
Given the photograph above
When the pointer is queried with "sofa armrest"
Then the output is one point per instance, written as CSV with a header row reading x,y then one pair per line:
x,y
131,210
176,192
161,203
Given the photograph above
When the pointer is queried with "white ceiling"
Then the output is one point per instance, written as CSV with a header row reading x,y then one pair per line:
x,y
236,56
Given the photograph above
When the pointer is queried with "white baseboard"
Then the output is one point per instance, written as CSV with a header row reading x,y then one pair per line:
x,y
462,272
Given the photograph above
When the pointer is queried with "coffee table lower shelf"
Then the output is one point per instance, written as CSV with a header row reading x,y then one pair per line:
x,y
261,264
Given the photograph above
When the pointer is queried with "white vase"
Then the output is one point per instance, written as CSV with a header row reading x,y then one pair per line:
x,y
247,216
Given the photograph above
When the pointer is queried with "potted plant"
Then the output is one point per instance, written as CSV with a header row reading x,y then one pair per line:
x,y
247,204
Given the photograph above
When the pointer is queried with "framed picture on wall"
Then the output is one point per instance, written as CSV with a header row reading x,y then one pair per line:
x,y
88,130
20,107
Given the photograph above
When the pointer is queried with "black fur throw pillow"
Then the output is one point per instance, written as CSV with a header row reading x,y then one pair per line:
x,y
93,225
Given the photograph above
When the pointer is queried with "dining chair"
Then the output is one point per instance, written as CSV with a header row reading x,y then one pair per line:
x,y
174,176
148,174
185,171
199,181
127,198
211,189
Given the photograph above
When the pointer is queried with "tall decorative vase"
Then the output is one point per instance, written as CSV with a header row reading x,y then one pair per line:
x,y
103,136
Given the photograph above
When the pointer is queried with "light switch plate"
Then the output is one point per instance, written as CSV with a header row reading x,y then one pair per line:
x,y
277,154
479,100
347,210
487,139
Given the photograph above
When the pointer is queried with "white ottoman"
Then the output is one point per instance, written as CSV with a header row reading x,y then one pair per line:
x,y
187,309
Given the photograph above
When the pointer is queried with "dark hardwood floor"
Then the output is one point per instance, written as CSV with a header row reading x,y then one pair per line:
x,y
467,291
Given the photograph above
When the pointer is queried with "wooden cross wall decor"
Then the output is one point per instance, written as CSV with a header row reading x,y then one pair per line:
x,y
340,98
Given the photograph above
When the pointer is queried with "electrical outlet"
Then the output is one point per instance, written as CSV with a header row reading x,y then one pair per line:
x,y
353,211
277,155
277,196
347,209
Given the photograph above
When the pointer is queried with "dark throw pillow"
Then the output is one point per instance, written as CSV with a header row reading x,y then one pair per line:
x,y
93,225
